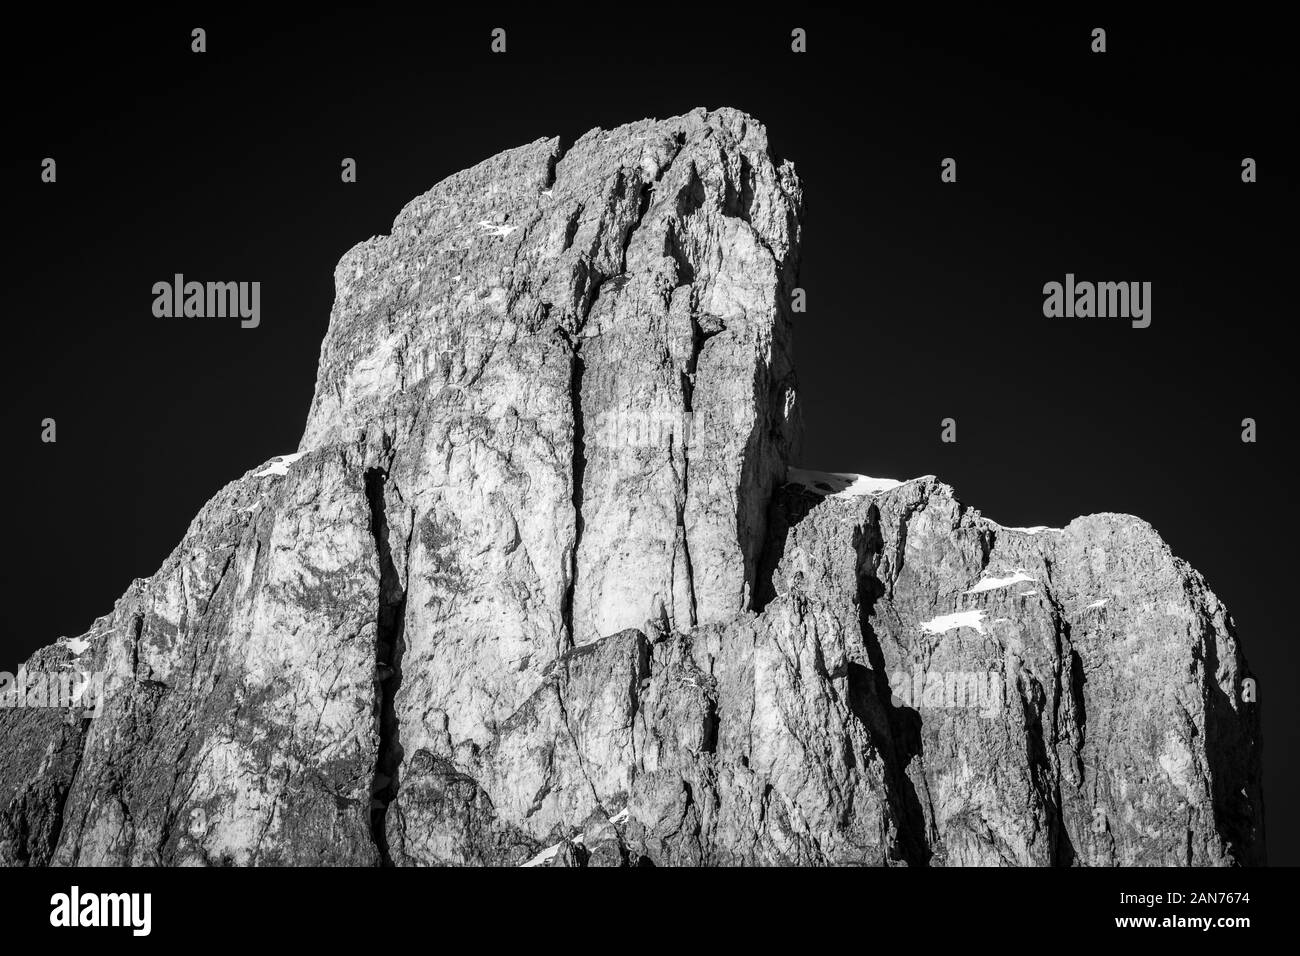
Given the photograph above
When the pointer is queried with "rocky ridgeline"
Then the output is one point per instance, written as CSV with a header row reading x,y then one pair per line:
x,y
539,587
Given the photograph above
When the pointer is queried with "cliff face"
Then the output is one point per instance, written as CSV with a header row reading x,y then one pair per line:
x,y
539,585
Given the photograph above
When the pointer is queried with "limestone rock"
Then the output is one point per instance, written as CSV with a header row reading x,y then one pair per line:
x,y
539,586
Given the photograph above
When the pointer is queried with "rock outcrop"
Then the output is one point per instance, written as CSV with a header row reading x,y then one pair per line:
x,y
539,586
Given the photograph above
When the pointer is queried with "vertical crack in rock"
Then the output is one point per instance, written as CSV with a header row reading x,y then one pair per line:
x,y
594,280
389,648
691,198
896,729
576,368
686,541
137,632
562,145
1062,848
700,334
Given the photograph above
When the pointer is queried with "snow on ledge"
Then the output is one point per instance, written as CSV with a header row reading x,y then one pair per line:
x,y
992,584
547,855
841,485
279,466
1036,529
75,644
496,230
950,622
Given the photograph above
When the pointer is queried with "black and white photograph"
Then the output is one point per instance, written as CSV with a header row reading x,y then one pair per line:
x,y
778,451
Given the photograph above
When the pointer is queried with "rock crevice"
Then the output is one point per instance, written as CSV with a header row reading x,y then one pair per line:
x,y
389,624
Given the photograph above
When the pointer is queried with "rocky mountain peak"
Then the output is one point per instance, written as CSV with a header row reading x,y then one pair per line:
x,y
541,586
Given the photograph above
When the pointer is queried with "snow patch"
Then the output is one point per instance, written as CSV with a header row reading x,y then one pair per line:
x,y
841,485
1036,529
1102,603
495,229
992,584
279,466
949,622
547,855
620,817
76,645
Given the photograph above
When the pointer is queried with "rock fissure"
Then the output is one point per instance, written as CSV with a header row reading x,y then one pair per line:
x,y
578,466
389,647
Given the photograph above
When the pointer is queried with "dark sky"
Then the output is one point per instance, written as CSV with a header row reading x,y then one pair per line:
x,y
925,299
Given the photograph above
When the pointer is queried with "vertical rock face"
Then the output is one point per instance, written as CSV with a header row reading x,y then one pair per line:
x,y
571,371
536,588
237,724
1064,697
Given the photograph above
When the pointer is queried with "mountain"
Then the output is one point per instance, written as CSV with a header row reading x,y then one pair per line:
x,y
542,585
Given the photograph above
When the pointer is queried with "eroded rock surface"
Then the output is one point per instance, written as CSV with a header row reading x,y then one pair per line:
x,y
539,586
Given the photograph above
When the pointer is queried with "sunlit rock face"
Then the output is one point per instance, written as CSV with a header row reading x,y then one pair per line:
x,y
541,586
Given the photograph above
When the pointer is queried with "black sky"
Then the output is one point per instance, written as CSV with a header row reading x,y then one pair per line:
x,y
925,299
